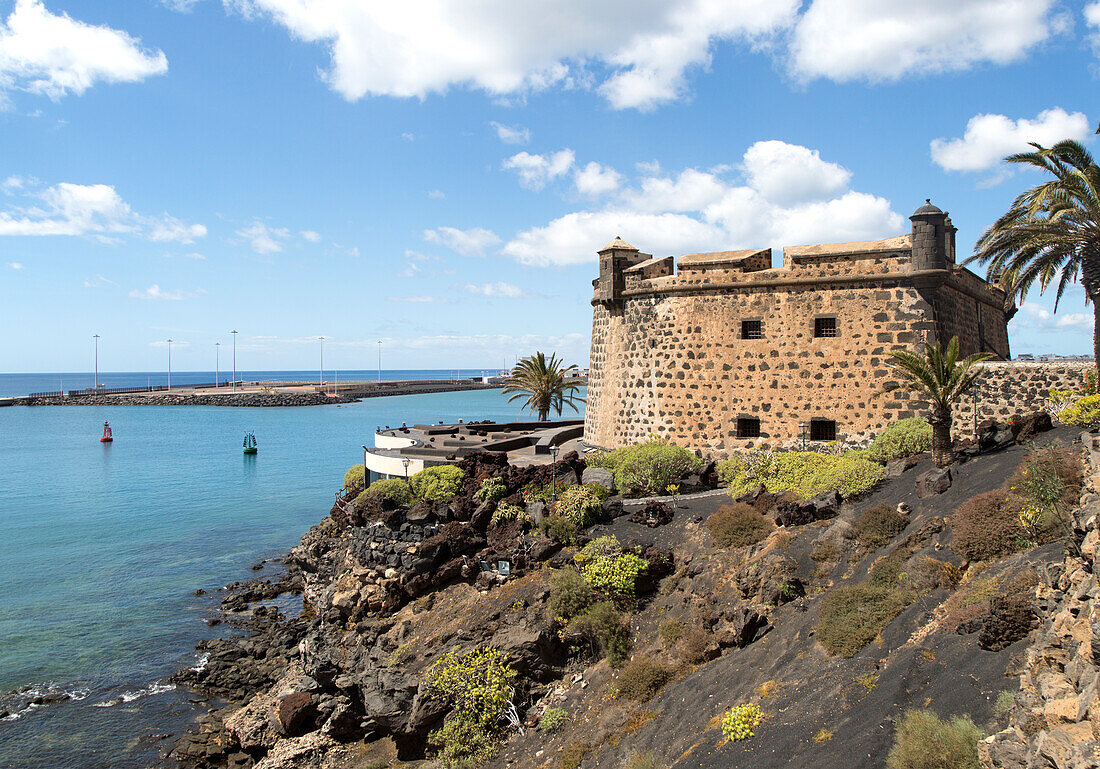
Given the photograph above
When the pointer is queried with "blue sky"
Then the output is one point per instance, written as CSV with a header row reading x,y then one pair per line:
x,y
439,176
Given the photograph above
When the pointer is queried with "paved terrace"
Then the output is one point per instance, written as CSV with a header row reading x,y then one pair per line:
x,y
525,443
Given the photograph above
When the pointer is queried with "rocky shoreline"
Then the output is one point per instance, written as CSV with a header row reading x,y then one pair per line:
x,y
238,399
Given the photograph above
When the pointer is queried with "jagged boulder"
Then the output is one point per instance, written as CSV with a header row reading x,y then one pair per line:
x,y
599,476
295,712
935,481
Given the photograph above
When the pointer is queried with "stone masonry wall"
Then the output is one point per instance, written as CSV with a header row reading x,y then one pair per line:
x,y
675,366
1008,388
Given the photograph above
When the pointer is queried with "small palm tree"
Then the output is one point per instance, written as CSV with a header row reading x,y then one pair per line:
x,y
940,378
543,383
1052,231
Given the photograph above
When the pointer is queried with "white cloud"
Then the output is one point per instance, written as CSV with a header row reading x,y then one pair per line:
x,y
98,281
1042,319
264,239
640,50
311,236
872,40
512,134
169,228
471,242
989,138
13,184
408,137
156,292
789,197
787,173
596,179
95,210
498,289
1092,19
437,194
195,255
15,265
54,54
535,171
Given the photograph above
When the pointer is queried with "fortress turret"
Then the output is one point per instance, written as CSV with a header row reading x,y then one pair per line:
x,y
933,238
615,258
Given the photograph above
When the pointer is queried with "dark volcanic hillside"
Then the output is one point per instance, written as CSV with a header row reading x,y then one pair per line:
x,y
344,685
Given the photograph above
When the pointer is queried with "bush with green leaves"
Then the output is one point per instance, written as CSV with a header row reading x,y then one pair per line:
x,y
463,743
740,721
903,438
553,719
610,569
507,513
670,631
853,615
1083,412
879,525
581,502
570,594
605,630
491,490
438,483
646,468
396,490
924,741
560,528
354,480
803,474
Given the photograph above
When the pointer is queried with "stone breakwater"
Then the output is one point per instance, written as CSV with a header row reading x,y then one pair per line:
x,y
238,399
1054,721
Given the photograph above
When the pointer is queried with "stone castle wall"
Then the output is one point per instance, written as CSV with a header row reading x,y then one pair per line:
x,y
1015,387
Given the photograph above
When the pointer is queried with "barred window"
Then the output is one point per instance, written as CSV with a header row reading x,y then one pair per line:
x,y
748,427
824,327
752,329
822,430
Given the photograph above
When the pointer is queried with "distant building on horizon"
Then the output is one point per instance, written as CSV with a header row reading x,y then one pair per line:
x,y
721,351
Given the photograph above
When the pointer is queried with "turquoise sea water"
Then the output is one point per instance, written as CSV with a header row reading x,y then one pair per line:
x,y
102,547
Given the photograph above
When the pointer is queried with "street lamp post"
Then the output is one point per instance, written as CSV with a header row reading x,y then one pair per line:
x,y
553,473
234,333
406,462
169,365
802,431
365,484
217,363
321,371
95,382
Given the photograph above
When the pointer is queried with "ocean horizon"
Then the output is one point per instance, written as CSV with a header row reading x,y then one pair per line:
x,y
105,545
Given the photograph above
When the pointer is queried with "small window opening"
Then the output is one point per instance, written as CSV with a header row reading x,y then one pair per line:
x,y
748,427
822,430
752,329
824,328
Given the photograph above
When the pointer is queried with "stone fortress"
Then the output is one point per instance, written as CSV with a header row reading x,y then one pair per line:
x,y
724,352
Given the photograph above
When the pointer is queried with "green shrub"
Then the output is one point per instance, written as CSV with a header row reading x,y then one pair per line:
x,y
903,438
853,615
1084,412
506,513
552,720
354,480
923,741
477,683
609,569
492,490
394,489
570,594
738,525
642,678
988,526
739,721
1049,478
606,631
670,631
580,503
879,525
572,755
642,761
646,468
803,474
463,743
560,528
544,492
438,483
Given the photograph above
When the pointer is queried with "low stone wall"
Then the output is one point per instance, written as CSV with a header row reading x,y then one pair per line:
x,y
1055,718
1014,387
240,399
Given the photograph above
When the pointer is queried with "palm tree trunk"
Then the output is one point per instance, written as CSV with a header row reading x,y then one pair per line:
x,y
1090,281
941,441
1096,336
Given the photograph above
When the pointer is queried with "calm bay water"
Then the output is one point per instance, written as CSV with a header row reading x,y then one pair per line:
x,y
103,546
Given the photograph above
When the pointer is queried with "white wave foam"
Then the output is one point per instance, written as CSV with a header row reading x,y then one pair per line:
x,y
205,658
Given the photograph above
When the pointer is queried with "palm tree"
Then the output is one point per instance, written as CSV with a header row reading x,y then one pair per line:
x,y
941,379
1051,231
543,383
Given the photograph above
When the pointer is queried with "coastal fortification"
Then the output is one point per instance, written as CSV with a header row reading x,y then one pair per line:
x,y
721,351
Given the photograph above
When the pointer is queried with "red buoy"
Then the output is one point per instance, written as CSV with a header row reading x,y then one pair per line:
x,y
107,437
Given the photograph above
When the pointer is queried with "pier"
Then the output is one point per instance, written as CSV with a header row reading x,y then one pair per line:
x,y
273,393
